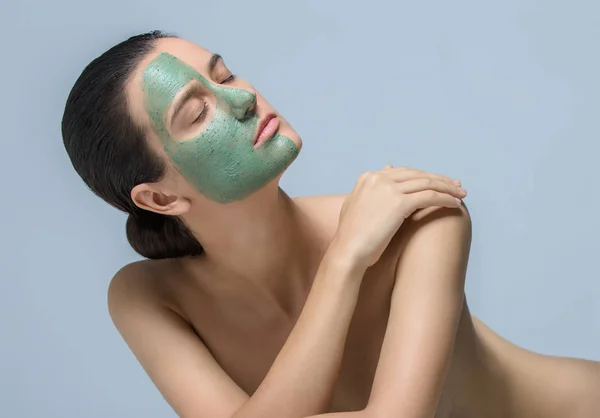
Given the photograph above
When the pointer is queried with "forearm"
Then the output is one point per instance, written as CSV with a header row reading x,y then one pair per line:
x,y
301,380
426,306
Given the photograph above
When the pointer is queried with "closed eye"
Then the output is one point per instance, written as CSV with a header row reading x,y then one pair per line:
x,y
202,114
228,79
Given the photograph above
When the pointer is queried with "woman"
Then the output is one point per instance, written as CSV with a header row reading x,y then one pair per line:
x,y
255,304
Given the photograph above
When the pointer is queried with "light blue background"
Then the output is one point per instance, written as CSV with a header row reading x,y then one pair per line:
x,y
504,96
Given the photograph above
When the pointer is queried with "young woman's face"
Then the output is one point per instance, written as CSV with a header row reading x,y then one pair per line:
x,y
220,134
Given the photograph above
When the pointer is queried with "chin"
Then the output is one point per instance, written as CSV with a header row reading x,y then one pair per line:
x,y
293,135
289,132
296,140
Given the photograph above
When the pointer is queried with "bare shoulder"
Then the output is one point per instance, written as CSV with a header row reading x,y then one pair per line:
x,y
332,202
134,277
332,205
168,348
323,210
440,225
433,222
426,215
437,222
141,283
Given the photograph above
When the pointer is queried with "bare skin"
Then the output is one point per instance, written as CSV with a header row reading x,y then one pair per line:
x,y
210,330
244,330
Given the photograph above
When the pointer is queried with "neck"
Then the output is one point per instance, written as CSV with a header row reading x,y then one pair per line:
x,y
269,243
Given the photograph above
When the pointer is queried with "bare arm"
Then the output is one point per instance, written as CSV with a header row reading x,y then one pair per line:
x,y
426,306
301,380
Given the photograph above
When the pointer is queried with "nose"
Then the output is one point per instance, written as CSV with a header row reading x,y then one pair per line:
x,y
241,102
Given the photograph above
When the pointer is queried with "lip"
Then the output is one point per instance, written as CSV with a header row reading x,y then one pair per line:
x,y
266,129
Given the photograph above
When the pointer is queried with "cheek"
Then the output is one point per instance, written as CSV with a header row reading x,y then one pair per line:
x,y
177,183
156,146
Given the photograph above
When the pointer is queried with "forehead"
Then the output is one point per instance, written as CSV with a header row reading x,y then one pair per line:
x,y
186,51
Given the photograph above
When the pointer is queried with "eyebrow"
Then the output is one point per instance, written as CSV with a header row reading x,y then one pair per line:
x,y
212,63
189,92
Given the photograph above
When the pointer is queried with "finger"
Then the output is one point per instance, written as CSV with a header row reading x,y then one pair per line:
x,y
387,166
400,174
407,176
427,198
422,184
419,214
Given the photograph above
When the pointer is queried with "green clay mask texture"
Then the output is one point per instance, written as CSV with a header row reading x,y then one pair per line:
x,y
221,161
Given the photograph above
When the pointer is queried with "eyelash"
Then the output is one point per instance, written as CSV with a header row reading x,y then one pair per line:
x,y
229,79
202,114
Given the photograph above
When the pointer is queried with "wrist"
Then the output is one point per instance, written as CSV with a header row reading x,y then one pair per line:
x,y
338,257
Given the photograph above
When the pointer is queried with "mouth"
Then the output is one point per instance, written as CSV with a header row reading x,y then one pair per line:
x,y
266,129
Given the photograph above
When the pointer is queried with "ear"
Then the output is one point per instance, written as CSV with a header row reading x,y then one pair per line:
x,y
150,196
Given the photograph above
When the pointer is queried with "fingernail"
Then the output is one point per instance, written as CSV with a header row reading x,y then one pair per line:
x,y
458,183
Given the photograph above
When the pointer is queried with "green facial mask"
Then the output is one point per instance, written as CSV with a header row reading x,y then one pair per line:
x,y
221,161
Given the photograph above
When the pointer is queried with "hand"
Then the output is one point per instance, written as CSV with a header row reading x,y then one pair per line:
x,y
380,202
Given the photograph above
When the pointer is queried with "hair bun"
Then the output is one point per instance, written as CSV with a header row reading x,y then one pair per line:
x,y
157,236
147,218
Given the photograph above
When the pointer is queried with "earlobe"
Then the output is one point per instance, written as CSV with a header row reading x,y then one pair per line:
x,y
148,197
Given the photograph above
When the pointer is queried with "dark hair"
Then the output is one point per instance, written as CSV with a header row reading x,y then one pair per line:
x,y
110,152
